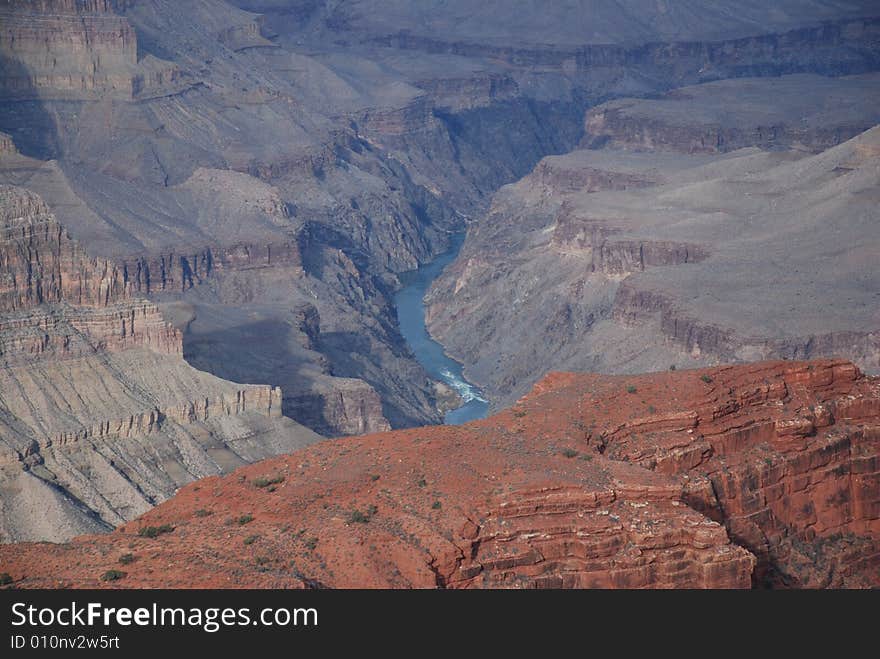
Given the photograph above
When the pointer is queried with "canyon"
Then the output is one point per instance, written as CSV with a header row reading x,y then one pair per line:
x,y
208,211
764,475
662,245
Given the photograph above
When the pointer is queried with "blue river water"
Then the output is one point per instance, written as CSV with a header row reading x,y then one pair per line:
x,y
429,353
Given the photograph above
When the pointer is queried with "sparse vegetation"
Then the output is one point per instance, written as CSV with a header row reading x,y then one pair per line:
x,y
631,389
705,378
5,579
311,543
672,367
519,413
244,519
251,539
126,559
587,457
266,481
436,505
155,531
358,517
651,409
422,483
570,453
201,512
374,477
113,575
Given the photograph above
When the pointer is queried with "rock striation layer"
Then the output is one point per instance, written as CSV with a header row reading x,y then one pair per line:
x,y
100,417
73,50
238,159
764,474
769,113
624,260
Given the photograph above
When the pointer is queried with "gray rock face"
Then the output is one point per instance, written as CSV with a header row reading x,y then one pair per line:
x,y
627,261
100,416
732,114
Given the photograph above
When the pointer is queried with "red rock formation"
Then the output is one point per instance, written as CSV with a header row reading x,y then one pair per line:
x,y
759,474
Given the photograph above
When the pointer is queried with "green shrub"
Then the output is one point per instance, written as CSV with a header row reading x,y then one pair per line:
x,y
519,414
251,539
436,505
705,378
201,512
422,483
587,457
265,481
570,453
126,559
244,519
311,543
358,517
672,367
631,389
113,575
155,531
374,477
5,579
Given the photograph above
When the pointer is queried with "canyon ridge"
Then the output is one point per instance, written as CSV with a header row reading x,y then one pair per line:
x,y
661,222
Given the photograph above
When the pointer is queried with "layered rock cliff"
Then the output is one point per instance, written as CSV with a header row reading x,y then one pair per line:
x,y
742,476
770,114
239,164
100,417
627,260
72,50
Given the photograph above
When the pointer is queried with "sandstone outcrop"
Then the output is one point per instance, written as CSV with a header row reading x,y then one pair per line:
x,y
739,476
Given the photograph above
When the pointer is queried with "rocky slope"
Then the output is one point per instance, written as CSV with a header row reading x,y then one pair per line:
x,y
262,173
756,475
732,114
100,417
627,260
257,156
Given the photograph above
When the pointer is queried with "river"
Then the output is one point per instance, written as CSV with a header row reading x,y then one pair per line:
x,y
429,353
